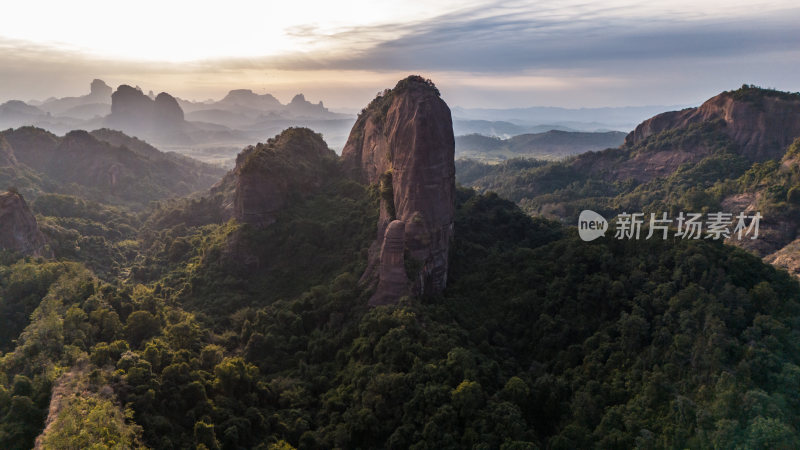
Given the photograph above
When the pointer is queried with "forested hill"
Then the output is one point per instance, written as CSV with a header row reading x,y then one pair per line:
x,y
176,327
106,166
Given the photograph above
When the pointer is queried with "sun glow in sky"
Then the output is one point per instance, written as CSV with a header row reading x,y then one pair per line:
x,y
188,30
481,52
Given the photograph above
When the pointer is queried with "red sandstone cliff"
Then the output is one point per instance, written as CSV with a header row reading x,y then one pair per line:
x,y
761,122
404,141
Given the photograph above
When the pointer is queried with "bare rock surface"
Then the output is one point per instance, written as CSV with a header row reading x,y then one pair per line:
x,y
404,142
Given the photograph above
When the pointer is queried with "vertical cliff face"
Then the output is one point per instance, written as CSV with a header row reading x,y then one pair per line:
x,y
19,231
404,142
762,123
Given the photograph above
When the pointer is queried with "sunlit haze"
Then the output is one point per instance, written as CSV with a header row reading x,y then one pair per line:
x,y
481,53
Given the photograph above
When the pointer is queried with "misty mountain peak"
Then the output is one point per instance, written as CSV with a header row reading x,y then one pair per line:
x,y
166,109
99,88
248,98
299,106
136,113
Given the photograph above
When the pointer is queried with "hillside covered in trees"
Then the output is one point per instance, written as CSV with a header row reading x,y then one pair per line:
x,y
180,325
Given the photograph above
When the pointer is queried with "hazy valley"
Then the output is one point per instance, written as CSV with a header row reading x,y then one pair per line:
x,y
214,131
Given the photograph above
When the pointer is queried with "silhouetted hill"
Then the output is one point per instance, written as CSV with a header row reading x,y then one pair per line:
x,y
137,114
98,100
107,165
15,113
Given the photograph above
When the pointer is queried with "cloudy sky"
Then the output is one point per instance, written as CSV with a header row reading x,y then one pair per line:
x,y
481,53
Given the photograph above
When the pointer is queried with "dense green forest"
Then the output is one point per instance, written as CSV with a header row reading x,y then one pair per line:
x,y
540,341
162,323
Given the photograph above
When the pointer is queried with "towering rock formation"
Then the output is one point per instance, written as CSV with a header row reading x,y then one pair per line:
x,y
19,231
131,110
166,110
135,113
404,142
99,91
762,122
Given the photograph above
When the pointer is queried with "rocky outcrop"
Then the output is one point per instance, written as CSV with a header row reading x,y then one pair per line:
x,y
301,107
135,113
100,91
131,110
787,258
267,175
19,231
404,142
393,281
166,110
761,122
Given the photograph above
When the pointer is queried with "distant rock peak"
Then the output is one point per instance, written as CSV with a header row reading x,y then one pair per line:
x,y
246,97
135,113
99,88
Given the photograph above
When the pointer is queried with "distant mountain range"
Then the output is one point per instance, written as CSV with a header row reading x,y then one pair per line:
x,y
551,144
214,131
512,121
